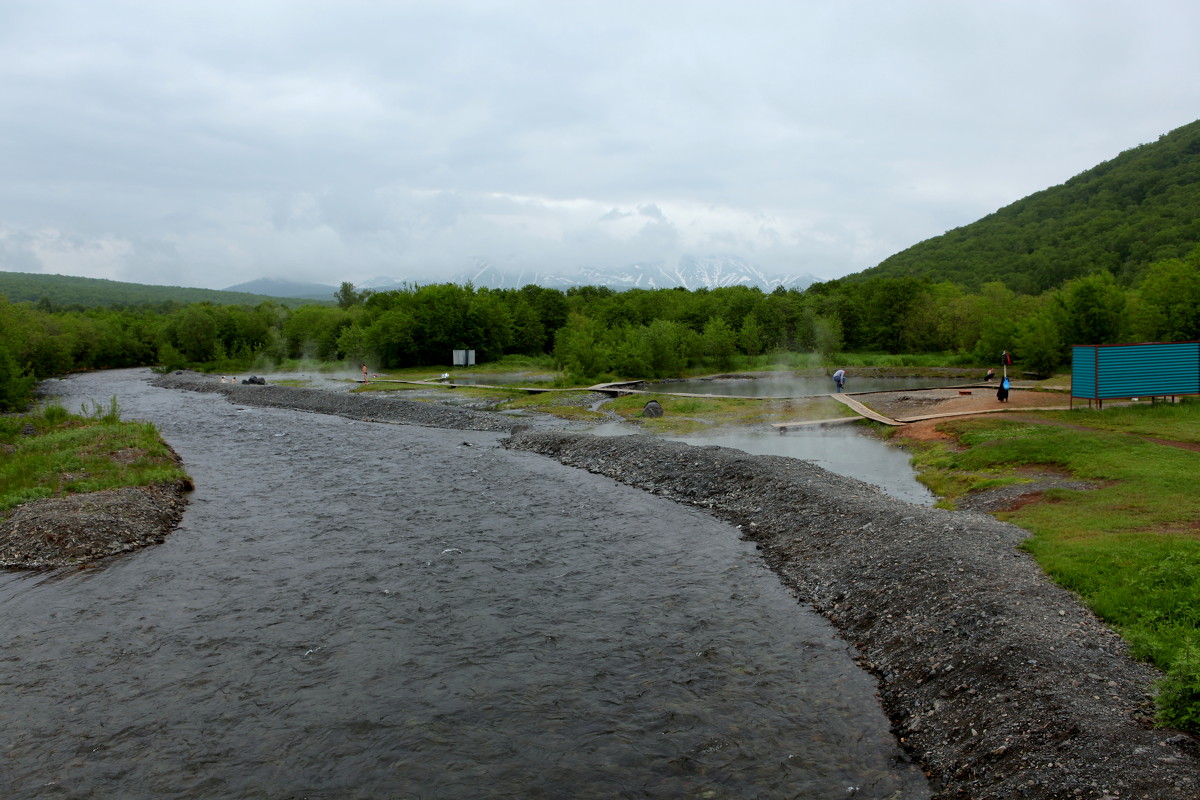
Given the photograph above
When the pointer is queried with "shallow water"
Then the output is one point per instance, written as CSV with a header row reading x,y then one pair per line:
x,y
841,448
787,385
364,610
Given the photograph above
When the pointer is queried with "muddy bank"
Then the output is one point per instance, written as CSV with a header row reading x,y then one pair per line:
x,y
996,679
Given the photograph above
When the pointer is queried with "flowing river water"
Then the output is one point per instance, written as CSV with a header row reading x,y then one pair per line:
x,y
370,610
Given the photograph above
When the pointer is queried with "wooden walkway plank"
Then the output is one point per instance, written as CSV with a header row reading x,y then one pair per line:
x,y
863,410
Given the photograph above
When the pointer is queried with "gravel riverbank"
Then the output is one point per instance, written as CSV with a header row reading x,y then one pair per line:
x,y
373,406
80,528
998,681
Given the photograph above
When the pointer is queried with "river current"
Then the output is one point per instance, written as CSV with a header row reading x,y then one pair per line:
x,y
370,610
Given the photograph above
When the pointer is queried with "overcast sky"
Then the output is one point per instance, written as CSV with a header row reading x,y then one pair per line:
x,y
210,143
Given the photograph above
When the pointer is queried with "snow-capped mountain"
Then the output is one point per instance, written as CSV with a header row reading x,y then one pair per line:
x,y
690,272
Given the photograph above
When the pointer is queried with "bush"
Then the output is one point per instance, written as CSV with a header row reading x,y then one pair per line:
x,y
53,413
16,387
104,413
1179,692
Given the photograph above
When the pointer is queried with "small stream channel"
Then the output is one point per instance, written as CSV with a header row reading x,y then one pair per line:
x,y
368,610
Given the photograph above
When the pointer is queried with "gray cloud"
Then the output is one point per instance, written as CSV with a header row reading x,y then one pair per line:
x,y
211,143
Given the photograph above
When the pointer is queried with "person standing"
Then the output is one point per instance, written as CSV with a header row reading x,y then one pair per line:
x,y
839,379
364,369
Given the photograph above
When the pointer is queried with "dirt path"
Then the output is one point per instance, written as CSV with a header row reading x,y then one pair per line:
x,y
927,408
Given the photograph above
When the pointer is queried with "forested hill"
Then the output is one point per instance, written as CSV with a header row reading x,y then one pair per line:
x,y
63,291
1142,206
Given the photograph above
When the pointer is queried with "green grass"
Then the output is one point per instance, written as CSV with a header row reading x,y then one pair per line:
x,y
70,453
1174,421
685,415
566,404
1130,548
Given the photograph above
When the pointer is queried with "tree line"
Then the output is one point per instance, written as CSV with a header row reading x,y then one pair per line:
x,y
591,332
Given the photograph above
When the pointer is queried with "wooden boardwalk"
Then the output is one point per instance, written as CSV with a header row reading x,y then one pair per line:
x,y
863,410
853,404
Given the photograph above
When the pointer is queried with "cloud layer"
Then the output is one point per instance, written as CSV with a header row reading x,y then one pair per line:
x,y
209,144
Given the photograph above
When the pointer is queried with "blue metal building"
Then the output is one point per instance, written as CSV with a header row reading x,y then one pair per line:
x,y
1101,372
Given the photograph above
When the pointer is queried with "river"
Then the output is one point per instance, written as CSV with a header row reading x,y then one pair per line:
x,y
370,610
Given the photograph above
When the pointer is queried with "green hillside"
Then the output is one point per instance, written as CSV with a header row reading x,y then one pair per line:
x,y
63,291
1142,206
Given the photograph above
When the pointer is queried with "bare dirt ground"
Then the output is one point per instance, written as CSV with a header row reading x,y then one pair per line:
x,y
920,408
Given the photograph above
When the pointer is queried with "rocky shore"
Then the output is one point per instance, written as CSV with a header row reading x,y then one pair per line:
x,y
1000,683
82,528
369,406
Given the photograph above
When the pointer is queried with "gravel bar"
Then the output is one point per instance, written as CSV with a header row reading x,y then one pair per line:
x,y
368,406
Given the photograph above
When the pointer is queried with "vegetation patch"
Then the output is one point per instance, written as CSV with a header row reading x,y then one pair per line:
x,y
577,405
77,488
684,415
1128,547
52,453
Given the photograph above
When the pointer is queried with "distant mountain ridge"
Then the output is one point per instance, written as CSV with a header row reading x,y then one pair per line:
x,y
68,290
282,287
1140,207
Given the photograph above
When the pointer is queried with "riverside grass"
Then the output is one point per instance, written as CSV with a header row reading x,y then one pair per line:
x,y
1129,548
52,453
689,415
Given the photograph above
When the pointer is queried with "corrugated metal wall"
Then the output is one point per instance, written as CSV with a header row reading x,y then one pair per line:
x,y
1083,372
1105,371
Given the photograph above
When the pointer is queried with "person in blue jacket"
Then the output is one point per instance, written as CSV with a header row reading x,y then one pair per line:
x,y
839,378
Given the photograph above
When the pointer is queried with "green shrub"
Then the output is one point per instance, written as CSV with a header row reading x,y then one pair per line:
x,y
103,413
52,413
1179,692
16,386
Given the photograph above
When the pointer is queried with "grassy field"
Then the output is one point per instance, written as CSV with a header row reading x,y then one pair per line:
x,y
1129,548
51,453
